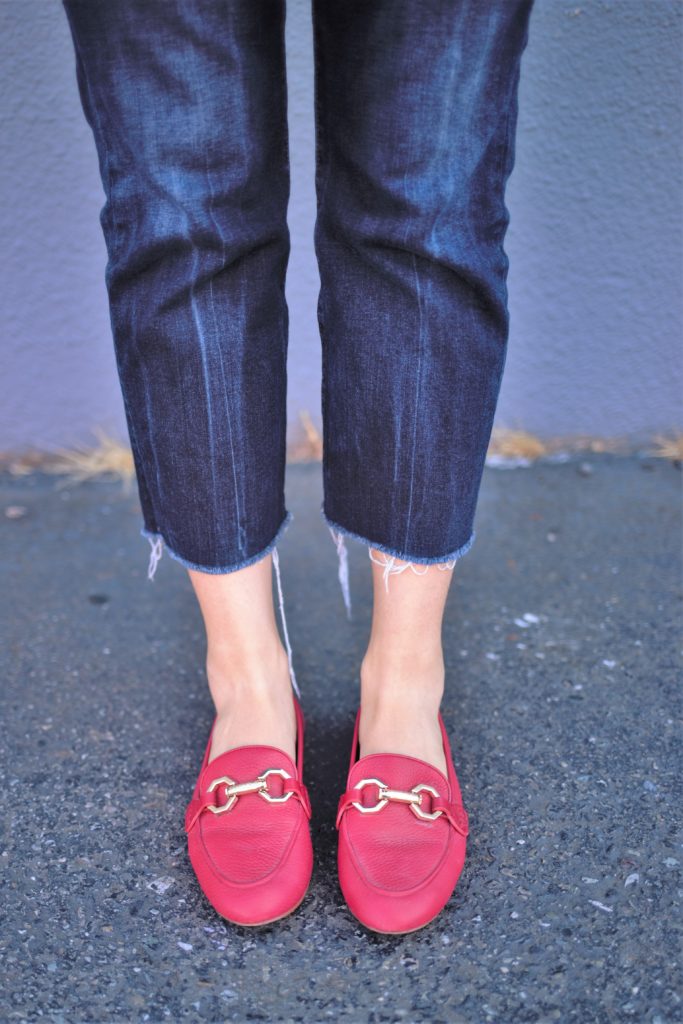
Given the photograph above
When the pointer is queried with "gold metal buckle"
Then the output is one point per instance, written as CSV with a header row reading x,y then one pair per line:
x,y
412,798
264,792
234,790
417,807
382,802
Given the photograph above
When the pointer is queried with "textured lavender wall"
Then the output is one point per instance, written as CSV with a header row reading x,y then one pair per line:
x,y
594,241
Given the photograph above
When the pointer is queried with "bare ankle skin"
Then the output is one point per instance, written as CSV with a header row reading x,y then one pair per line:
x,y
402,674
246,664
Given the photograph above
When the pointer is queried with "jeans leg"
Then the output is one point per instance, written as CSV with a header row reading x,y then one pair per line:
x,y
416,110
187,103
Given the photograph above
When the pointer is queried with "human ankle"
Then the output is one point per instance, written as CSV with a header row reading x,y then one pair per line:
x,y
253,704
393,682
258,674
402,721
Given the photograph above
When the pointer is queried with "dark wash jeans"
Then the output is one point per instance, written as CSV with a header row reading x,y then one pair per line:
x,y
415,117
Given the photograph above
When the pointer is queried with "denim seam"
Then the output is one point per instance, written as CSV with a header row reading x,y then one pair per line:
x,y
214,570
458,553
96,117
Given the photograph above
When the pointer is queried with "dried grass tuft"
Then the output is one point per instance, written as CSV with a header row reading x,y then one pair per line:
x,y
310,449
518,444
667,447
110,458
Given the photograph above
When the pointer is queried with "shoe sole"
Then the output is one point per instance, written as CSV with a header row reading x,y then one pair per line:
x,y
408,931
271,920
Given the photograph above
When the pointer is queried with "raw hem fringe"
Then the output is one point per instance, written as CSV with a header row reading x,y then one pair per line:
x,y
442,562
158,541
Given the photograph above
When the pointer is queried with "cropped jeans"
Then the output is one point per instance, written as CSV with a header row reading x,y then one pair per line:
x,y
415,120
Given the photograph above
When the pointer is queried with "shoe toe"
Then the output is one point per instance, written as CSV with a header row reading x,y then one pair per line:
x,y
272,888
381,891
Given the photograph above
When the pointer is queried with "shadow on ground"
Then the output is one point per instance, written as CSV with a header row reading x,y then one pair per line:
x,y
563,652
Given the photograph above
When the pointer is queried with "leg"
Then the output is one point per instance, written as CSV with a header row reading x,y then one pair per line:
x,y
187,103
246,664
402,674
416,108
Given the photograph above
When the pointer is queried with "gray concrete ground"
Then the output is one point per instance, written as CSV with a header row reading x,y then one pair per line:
x,y
563,644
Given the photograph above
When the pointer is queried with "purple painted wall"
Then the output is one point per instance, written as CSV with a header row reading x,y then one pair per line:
x,y
594,241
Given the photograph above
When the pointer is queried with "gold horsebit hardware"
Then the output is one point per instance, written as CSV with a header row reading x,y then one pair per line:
x,y
413,798
234,790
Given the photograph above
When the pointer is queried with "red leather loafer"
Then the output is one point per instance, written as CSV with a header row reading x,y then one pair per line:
x,y
402,837
248,834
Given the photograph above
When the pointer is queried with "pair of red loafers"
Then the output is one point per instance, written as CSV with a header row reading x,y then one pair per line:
x,y
402,835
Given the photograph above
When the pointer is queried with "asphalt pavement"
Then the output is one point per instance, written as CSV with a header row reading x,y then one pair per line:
x,y
563,640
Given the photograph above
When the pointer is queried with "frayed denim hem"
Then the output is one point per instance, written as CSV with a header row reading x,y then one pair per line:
x,y
442,562
158,541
